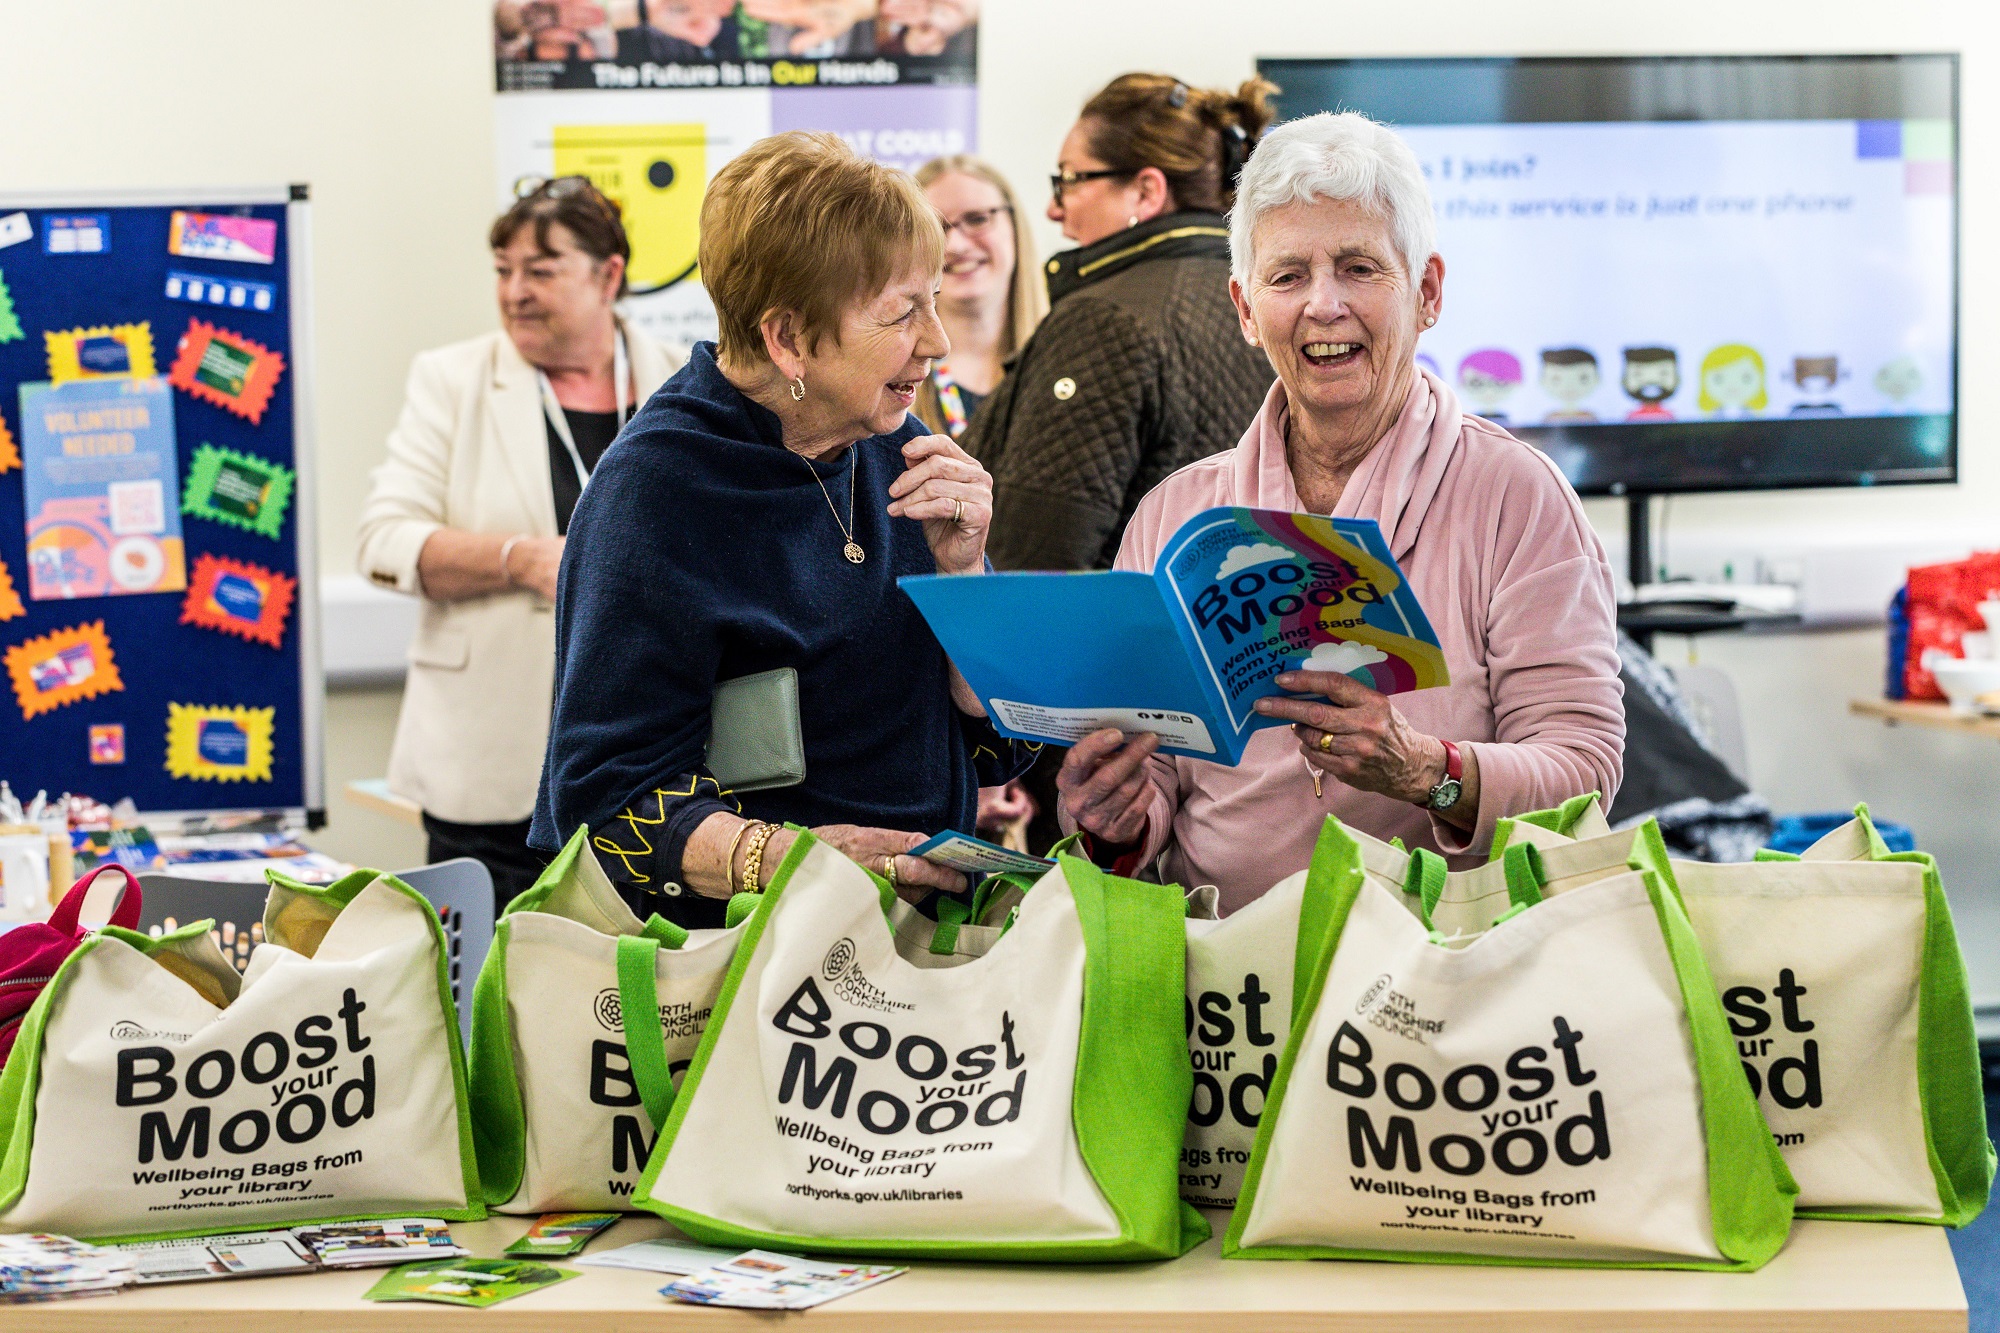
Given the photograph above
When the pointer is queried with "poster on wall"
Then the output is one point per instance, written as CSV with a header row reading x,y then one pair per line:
x,y
650,98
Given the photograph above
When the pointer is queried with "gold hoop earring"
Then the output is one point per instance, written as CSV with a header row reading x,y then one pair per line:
x,y
799,389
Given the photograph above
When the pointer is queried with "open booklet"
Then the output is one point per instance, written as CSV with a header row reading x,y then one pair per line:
x,y
1237,596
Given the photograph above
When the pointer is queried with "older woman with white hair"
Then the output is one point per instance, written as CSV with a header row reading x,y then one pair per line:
x,y
1335,274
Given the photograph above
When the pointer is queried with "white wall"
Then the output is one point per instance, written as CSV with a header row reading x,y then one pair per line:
x,y
386,109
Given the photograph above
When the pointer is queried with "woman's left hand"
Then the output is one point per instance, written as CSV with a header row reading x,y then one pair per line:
x,y
947,489
1371,747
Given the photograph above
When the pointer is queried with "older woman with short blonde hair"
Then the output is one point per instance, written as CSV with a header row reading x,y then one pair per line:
x,y
754,518
1335,274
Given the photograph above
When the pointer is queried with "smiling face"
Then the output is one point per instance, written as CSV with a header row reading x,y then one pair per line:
x,y
978,262
1569,383
551,301
1734,384
1334,308
864,381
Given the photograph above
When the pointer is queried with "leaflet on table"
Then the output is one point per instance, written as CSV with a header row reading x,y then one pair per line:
x,y
761,1280
1237,596
302,1249
102,497
976,856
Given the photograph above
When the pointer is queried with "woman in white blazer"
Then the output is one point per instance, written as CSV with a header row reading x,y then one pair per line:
x,y
496,439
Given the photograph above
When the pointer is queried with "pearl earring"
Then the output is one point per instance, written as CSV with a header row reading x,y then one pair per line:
x,y
1132,221
1430,320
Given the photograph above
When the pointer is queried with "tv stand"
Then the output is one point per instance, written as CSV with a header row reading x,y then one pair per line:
x,y
1643,619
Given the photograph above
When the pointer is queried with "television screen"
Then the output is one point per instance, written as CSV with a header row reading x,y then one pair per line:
x,y
1683,274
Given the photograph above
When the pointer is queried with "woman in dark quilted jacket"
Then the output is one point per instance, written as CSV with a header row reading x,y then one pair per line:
x,y
1139,368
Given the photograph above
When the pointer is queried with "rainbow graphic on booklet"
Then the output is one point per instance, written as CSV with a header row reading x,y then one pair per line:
x,y
1238,597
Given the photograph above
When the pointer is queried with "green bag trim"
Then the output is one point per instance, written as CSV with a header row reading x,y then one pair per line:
x,y
1750,1189
1522,865
738,909
536,895
18,1089
1771,854
645,1042
499,1119
1133,1042
1425,881
1561,819
1949,1082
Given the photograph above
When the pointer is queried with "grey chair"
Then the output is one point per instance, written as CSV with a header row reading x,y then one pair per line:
x,y
462,891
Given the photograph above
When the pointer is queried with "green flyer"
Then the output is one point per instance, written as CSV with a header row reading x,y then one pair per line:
x,y
555,1234
474,1282
238,489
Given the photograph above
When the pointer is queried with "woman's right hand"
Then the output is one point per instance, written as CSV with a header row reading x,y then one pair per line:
x,y
873,849
1104,785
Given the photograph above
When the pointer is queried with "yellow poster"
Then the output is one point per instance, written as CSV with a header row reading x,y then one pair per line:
x,y
656,175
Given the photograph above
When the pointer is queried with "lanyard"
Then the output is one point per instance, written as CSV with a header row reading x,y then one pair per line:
x,y
620,372
949,402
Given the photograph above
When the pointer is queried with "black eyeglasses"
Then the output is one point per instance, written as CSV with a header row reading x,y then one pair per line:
x,y
560,187
973,221
1067,177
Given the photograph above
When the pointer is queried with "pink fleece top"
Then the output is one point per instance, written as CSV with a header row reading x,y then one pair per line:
x,y
1496,547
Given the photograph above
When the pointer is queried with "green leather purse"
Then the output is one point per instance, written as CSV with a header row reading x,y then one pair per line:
x,y
754,742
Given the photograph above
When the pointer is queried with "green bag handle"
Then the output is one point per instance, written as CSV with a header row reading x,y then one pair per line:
x,y
669,934
951,914
1425,882
739,908
1522,864
645,1040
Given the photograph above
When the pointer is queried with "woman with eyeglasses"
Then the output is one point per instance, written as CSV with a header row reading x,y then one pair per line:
x,y
497,438
991,297
1138,369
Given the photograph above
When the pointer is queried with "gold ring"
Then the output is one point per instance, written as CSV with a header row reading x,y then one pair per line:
x,y
957,512
889,870
1325,743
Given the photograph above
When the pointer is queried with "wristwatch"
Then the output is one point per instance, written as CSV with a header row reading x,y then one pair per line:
x,y
1445,795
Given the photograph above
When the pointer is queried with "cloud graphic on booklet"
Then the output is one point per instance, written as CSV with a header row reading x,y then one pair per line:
x,y
1342,658
1243,557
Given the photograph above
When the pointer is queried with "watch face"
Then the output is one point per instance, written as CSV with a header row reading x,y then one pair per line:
x,y
1445,795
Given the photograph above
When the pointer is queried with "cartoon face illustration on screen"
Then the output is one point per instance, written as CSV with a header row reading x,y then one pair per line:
x,y
1899,380
1487,378
1815,377
1569,375
1652,375
1732,381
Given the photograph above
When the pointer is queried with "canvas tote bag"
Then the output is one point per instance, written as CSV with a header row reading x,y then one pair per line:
x,y
154,1091
1019,1096
1238,1014
1845,991
559,1112
1559,1089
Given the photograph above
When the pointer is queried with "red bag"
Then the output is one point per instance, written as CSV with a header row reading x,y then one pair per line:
x,y
31,953
1943,606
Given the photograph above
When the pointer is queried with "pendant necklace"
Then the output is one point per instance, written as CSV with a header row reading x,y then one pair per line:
x,y
852,550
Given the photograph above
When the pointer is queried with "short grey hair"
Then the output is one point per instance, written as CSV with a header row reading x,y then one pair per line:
x,y
1341,156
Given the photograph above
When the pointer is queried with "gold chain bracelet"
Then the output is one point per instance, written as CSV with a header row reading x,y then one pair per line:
x,y
753,860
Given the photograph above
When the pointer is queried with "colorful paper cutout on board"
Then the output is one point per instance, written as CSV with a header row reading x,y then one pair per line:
x,y
61,667
100,489
239,598
107,743
244,492
207,289
222,367
10,453
10,321
10,598
222,236
215,744
101,352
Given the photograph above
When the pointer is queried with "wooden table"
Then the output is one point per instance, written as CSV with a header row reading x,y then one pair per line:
x,y
1832,1277
374,794
1925,713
